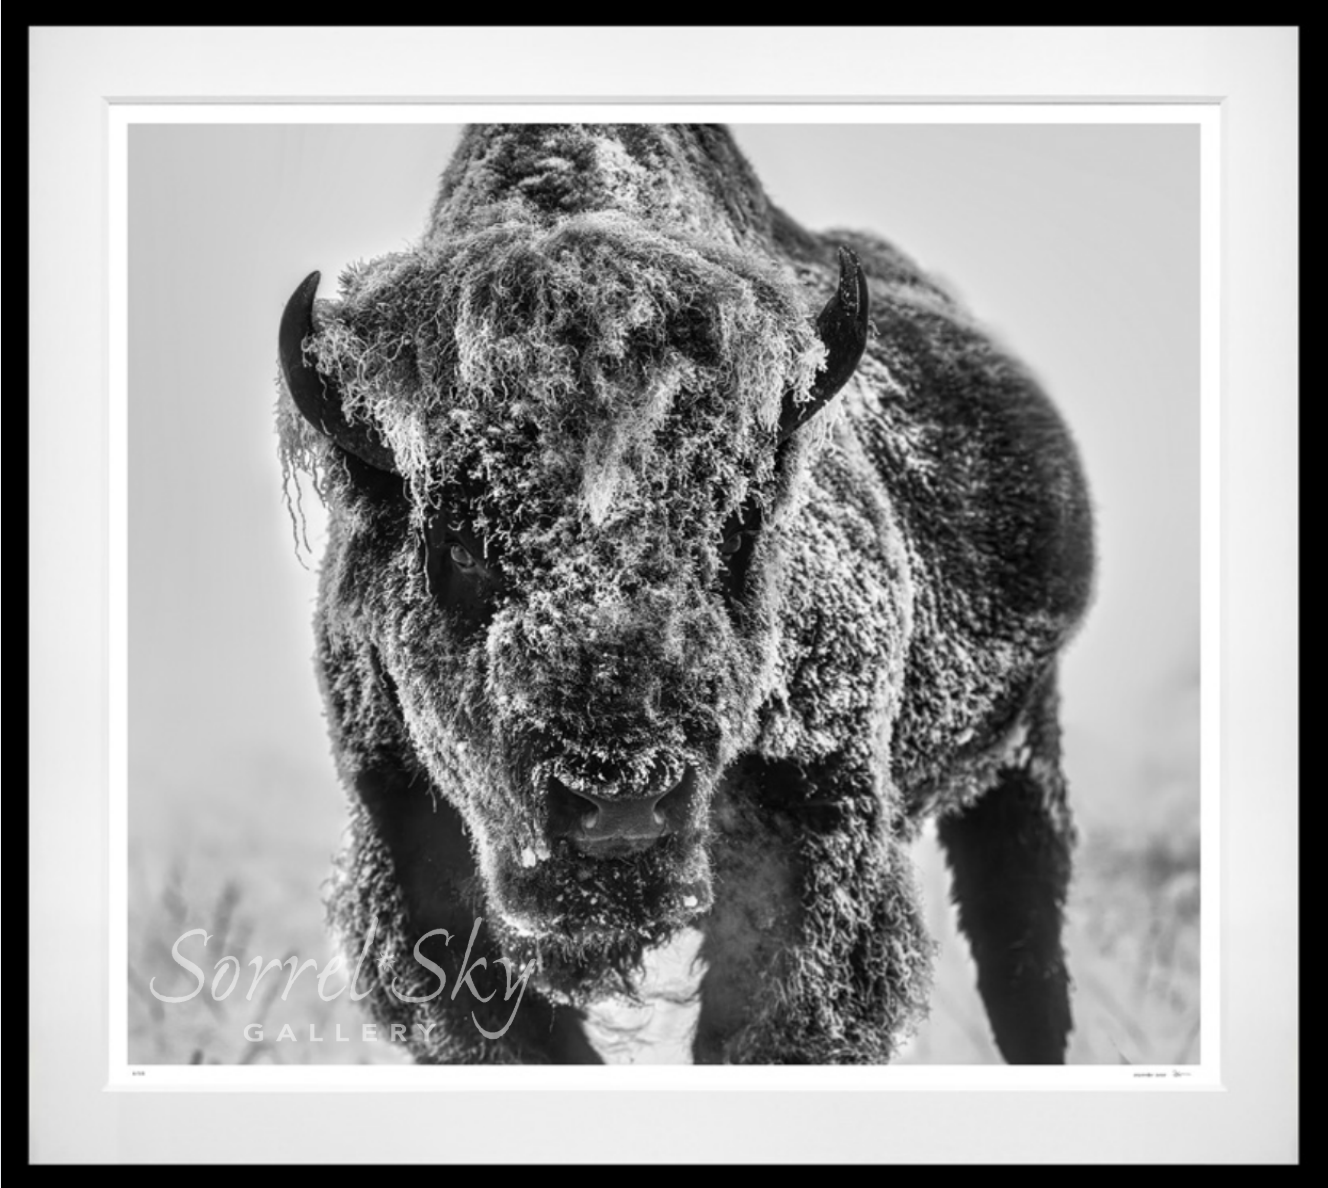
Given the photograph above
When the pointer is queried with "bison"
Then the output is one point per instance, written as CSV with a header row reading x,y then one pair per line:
x,y
681,563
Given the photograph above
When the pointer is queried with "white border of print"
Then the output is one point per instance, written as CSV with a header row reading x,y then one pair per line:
x,y
121,117
80,77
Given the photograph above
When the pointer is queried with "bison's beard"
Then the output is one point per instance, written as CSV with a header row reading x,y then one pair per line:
x,y
588,922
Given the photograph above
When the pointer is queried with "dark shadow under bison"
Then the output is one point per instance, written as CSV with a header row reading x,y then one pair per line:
x,y
681,563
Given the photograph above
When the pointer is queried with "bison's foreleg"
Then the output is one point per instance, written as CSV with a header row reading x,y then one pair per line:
x,y
815,948
408,872
1010,855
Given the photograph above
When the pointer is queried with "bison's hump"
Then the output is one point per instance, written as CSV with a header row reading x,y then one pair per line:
x,y
681,178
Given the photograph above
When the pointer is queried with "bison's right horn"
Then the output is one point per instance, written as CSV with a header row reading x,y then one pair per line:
x,y
314,394
842,326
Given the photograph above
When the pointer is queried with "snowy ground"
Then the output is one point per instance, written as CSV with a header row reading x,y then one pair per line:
x,y
249,868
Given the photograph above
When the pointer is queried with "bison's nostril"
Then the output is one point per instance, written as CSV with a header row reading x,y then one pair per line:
x,y
569,812
674,808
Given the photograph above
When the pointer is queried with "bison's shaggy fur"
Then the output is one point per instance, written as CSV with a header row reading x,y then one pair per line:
x,y
580,373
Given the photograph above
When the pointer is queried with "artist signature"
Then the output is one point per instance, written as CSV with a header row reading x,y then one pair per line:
x,y
1175,1072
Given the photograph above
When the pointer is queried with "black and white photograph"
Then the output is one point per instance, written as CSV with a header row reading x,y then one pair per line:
x,y
663,595
690,594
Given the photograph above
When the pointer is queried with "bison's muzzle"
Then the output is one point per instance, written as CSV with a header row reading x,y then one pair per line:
x,y
614,827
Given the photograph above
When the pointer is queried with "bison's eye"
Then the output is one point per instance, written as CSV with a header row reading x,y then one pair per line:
x,y
736,549
463,580
739,533
466,559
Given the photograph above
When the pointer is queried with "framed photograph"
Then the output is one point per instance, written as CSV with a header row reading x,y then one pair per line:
x,y
278,407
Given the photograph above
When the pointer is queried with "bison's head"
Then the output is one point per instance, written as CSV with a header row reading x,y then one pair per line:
x,y
558,463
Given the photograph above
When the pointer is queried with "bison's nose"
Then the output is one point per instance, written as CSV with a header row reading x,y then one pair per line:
x,y
610,827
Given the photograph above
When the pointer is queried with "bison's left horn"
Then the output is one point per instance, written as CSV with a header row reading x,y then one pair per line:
x,y
315,395
842,326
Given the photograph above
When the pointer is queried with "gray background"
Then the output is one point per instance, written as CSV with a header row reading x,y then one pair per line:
x,y
1078,245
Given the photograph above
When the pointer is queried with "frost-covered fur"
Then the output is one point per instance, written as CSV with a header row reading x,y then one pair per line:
x,y
580,371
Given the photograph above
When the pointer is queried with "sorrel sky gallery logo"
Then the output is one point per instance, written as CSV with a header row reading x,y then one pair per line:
x,y
228,974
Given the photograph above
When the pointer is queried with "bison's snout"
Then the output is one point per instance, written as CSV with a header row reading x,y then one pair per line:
x,y
616,826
